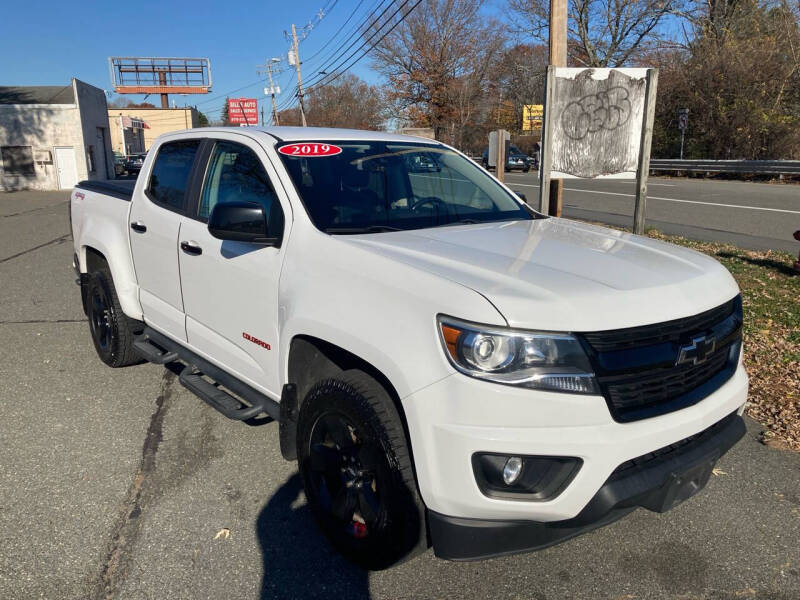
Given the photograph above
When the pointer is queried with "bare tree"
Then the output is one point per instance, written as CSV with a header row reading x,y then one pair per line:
x,y
601,33
346,102
740,79
436,61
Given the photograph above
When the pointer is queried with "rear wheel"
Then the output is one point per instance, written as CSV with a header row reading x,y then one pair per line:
x,y
112,330
357,472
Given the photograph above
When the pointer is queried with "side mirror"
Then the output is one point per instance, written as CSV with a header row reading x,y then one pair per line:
x,y
241,222
521,196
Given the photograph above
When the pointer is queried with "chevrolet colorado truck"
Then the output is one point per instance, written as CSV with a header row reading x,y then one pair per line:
x,y
448,366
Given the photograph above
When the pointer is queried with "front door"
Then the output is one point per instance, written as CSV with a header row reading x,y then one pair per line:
x,y
230,289
66,168
155,222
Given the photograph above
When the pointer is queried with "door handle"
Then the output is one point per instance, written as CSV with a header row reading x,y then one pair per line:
x,y
139,226
191,248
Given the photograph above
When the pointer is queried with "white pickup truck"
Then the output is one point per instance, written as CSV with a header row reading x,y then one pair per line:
x,y
448,366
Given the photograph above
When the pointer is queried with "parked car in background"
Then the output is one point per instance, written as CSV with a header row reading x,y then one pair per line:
x,y
119,164
516,159
134,162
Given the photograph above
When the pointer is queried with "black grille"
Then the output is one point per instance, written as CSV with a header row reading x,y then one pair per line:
x,y
637,392
637,368
668,331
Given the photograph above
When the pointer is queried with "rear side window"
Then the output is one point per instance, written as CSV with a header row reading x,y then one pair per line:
x,y
170,175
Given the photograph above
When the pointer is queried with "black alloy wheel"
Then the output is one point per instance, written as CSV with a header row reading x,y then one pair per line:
x,y
111,329
356,468
100,318
345,473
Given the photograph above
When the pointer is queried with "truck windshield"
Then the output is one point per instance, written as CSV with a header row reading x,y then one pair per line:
x,y
369,186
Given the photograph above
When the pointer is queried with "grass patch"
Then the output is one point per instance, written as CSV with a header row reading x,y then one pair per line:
x,y
771,301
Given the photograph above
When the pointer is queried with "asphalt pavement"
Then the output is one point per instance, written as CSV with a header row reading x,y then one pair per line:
x,y
118,483
761,216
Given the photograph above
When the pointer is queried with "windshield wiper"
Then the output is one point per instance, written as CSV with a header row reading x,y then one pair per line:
x,y
368,229
464,222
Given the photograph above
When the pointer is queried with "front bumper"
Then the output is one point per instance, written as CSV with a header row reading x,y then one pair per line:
x,y
458,416
657,482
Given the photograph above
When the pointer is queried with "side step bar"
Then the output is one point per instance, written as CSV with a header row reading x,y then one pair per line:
x,y
228,405
151,352
245,405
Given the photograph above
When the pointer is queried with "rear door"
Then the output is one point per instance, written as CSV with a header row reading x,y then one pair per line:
x,y
155,222
230,289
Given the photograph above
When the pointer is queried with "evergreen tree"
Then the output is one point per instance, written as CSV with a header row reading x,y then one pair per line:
x,y
224,115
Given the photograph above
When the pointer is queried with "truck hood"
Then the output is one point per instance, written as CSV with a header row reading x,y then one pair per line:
x,y
561,275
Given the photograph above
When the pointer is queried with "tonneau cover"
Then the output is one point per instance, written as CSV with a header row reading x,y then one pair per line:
x,y
118,188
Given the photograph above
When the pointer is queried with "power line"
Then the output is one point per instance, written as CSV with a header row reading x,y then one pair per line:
x,y
364,26
353,32
341,28
357,33
329,80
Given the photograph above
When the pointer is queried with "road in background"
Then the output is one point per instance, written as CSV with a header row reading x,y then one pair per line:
x,y
119,483
759,216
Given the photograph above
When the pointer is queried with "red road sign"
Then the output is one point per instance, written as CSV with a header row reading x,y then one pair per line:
x,y
243,111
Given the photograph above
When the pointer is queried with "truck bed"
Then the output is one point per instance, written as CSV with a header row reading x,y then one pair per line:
x,y
118,188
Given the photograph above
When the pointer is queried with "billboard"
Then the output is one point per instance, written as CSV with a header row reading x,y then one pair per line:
x,y
532,116
150,75
243,111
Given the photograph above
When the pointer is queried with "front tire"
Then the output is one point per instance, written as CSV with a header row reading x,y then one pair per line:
x,y
356,469
111,329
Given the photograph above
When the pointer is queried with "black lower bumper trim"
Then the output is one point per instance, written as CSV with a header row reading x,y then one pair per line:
x,y
659,482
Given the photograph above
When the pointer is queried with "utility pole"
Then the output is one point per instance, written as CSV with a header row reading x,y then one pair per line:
x,y
299,77
272,90
558,58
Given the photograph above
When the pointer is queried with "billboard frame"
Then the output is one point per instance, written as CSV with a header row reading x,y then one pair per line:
x,y
160,75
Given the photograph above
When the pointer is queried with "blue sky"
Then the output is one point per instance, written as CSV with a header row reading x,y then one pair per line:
x,y
53,41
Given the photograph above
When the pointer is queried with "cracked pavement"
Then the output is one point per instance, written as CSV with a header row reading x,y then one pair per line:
x,y
115,483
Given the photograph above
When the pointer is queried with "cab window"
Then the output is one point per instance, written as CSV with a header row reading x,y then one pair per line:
x,y
236,174
170,175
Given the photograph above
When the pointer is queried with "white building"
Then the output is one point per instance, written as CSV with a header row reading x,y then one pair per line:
x,y
51,137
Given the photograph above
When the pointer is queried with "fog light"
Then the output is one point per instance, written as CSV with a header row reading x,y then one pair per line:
x,y
512,470
521,477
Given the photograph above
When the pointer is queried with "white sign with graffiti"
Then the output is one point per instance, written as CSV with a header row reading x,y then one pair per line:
x,y
596,120
598,123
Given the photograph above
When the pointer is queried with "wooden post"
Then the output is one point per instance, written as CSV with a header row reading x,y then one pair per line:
x,y
500,169
558,58
299,77
643,168
272,93
546,154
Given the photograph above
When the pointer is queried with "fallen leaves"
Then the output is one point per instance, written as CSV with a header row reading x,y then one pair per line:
x,y
223,534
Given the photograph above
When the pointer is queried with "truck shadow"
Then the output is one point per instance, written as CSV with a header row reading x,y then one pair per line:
x,y
298,561
776,265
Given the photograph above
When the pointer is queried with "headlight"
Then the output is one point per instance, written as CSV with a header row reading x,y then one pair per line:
x,y
540,360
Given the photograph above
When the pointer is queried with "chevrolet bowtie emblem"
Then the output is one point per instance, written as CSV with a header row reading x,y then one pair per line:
x,y
697,351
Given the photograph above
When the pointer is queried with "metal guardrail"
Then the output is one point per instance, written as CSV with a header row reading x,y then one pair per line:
x,y
755,167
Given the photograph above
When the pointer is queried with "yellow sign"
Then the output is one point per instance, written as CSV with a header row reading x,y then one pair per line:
x,y
532,116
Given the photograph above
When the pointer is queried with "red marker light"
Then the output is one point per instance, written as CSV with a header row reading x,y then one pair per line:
x,y
309,149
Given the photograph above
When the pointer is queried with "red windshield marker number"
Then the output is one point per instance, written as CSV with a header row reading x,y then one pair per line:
x,y
310,149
